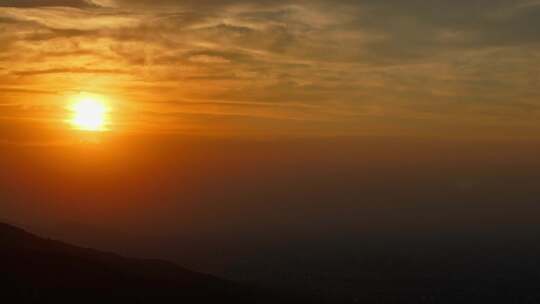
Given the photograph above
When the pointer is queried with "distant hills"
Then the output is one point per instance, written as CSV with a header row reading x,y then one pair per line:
x,y
39,270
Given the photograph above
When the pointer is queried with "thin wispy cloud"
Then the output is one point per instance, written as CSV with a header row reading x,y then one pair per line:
x,y
451,59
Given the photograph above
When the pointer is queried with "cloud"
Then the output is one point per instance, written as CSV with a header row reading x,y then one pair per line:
x,y
23,90
402,60
477,23
69,71
48,3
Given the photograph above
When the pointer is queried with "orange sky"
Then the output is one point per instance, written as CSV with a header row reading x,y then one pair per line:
x,y
234,122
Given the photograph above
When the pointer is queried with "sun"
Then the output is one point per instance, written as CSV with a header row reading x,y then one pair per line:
x,y
89,113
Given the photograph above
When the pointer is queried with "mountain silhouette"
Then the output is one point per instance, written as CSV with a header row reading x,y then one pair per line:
x,y
35,269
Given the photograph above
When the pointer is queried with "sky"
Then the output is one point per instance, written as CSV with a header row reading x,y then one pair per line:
x,y
274,68
239,125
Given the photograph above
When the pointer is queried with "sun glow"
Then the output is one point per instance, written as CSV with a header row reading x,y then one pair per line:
x,y
89,113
